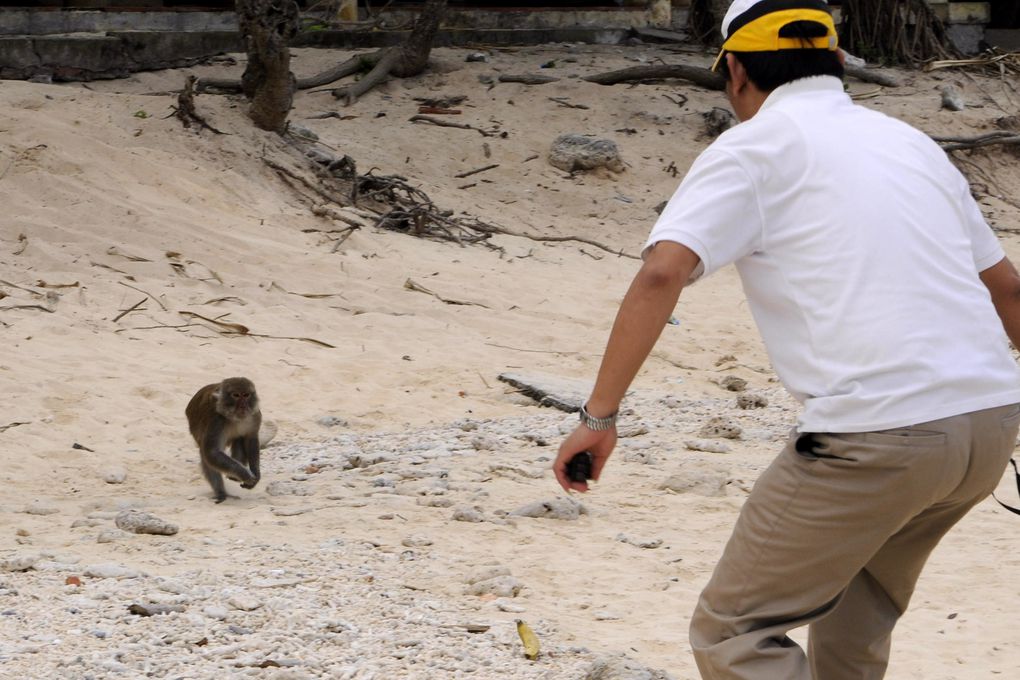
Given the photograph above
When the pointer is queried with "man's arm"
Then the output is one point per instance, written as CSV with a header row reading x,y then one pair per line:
x,y
1003,282
645,309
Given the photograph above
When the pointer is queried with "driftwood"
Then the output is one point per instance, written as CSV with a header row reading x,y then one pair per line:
x,y
404,61
989,139
185,109
527,78
871,76
695,74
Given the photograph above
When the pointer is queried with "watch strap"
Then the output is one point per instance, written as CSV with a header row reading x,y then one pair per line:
x,y
593,423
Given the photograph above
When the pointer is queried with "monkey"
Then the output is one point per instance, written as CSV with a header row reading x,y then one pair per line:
x,y
224,416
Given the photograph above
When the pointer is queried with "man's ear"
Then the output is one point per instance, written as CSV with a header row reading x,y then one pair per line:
x,y
738,75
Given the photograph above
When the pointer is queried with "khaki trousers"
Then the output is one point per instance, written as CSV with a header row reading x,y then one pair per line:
x,y
835,535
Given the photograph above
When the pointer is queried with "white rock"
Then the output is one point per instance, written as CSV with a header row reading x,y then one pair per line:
x,y
139,522
703,483
112,536
721,427
216,612
416,541
466,514
281,488
508,606
114,475
19,562
557,508
40,508
110,570
244,602
501,586
707,446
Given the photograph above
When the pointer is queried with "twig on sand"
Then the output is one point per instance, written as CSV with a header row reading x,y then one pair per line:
x,y
475,172
129,310
447,123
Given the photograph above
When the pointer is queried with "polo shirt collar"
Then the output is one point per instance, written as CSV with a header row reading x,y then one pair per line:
x,y
810,85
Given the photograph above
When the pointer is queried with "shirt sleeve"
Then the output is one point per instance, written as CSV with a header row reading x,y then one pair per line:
x,y
985,245
714,212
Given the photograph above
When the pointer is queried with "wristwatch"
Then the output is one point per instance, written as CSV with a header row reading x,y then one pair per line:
x,y
593,423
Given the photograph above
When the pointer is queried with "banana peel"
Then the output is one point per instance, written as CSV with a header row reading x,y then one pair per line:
x,y
528,639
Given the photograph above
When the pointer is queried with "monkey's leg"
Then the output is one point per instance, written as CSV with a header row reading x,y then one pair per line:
x,y
215,480
250,449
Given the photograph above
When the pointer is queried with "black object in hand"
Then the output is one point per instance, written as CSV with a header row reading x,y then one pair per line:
x,y
579,467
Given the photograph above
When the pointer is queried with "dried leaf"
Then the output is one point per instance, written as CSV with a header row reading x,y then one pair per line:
x,y
418,288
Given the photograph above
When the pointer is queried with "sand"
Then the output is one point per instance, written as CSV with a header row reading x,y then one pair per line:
x,y
347,559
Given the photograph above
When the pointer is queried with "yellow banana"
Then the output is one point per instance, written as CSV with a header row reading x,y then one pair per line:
x,y
529,639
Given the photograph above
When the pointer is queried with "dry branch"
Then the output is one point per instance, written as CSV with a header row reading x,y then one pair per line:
x,y
129,310
446,123
151,296
185,110
4,428
695,74
527,78
989,139
475,172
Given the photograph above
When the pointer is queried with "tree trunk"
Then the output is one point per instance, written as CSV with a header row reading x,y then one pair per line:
x,y
267,26
894,31
404,61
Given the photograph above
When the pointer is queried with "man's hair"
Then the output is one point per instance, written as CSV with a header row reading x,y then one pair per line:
x,y
769,70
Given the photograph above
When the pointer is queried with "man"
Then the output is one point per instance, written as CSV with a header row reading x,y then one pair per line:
x,y
881,295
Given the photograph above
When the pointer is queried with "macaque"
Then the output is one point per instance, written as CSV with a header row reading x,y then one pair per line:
x,y
225,416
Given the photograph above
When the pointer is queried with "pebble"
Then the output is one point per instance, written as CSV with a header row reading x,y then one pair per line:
x,y
332,421
115,475
466,514
622,667
112,536
721,426
19,562
416,541
216,612
733,383
702,483
749,401
110,570
40,508
139,522
706,445
500,586
245,603
292,512
557,508
282,488
647,543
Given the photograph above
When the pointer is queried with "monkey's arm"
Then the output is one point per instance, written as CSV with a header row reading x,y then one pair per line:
x,y
251,449
214,457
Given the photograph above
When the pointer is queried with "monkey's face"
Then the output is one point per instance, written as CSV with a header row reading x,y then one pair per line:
x,y
237,398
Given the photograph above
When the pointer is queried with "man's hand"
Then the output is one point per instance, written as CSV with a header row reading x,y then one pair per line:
x,y
599,443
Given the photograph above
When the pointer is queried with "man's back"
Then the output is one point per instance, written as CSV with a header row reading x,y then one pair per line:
x,y
859,247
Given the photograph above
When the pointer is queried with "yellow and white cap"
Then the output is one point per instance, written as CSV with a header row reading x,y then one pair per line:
x,y
755,26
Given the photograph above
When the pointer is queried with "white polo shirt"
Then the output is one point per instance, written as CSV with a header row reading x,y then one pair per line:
x,y
859,246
